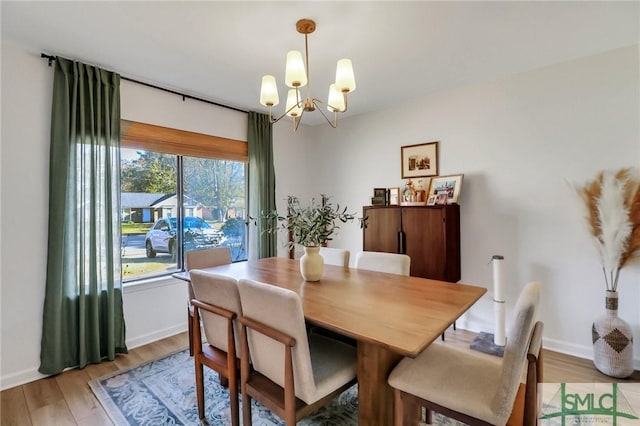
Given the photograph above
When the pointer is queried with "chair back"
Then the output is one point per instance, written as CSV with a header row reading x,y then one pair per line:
x,y
517,347
279,309
391,263
335,256
200,259
220,291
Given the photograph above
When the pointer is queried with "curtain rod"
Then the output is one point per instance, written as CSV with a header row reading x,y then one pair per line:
x,y
184,95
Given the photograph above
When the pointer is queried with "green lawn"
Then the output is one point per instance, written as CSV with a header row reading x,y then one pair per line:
x,y
143,267
135,228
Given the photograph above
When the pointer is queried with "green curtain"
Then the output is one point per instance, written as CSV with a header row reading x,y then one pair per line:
x,y
262,180
83,319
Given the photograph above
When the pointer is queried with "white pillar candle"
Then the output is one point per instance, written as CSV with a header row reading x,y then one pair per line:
x,y
499,336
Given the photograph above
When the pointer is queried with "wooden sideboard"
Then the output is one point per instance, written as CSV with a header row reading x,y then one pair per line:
x,y
430,235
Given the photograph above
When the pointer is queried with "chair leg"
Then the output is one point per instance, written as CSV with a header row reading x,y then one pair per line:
x,y
407,409
428,418
246,409
235,405
290,416
190,328
199,388
224,381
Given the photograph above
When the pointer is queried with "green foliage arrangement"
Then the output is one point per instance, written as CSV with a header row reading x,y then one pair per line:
x,y
312,225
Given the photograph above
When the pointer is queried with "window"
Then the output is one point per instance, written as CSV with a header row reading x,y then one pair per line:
x,y
173,202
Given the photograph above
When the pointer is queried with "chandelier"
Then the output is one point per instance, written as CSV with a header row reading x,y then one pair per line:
x,y
297,76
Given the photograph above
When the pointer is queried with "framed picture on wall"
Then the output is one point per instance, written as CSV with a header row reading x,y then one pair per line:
x,y
449,185
419,160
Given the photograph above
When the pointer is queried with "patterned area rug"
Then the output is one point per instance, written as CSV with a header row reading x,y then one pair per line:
x,y
162,392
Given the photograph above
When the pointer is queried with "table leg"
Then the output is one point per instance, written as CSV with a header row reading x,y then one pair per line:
x,y
375,396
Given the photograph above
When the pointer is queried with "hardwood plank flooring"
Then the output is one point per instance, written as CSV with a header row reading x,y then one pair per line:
x,y
13,406
66,399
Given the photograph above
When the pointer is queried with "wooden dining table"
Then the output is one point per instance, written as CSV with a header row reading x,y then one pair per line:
x,y
390,316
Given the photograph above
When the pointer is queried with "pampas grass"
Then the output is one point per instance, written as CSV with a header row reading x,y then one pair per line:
x,y
612,213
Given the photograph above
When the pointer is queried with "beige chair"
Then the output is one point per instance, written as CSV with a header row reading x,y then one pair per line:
x,y
200,259
391,263
292,374
468,387
335,256
217,302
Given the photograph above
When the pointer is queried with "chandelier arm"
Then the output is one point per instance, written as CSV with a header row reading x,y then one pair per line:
x,y
296,121
297,104
272,121
333,124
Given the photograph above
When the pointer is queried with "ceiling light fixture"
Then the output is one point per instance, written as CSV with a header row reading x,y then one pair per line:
x,y
297,76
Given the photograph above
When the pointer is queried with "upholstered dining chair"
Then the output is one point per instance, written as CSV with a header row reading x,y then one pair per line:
x,y
200,259
335,256
292,373
217,303
470,388
391,263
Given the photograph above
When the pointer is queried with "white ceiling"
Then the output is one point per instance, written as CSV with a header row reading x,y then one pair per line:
x,y
400,50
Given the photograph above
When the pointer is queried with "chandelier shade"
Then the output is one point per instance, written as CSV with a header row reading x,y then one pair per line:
x,y
345,80
297,77
293,108
269,93
335,100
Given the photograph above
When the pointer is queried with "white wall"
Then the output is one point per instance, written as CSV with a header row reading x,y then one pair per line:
x,y
26,112
153,310
516,140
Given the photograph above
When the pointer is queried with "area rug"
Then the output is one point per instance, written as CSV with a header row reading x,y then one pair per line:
x,y
162,392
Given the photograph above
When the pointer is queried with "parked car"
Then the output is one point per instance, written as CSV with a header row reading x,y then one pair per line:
x,y
161,238
236,245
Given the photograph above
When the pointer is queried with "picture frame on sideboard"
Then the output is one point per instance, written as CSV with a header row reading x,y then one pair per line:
x,y
394,196
451,184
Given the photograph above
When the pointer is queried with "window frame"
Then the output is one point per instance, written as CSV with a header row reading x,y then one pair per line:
x,y
182,143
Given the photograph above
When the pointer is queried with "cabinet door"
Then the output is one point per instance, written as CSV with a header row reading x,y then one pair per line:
x,y
424,235
382,231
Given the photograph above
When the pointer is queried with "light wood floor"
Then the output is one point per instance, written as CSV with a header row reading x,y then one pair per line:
x,y
66,399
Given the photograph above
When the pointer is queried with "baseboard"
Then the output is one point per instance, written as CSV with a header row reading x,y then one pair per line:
x,y
20,378
156,335
579,351
31,374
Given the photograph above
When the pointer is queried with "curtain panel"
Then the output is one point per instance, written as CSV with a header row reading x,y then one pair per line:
x,y
262,181
83,319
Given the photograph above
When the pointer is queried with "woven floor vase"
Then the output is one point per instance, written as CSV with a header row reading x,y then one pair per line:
x,y
612,341
311,264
